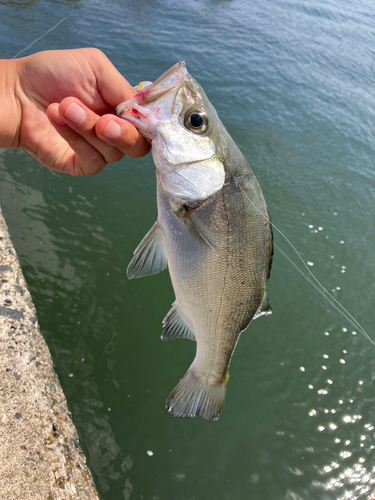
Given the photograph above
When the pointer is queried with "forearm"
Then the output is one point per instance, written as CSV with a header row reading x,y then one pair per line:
x,y
10,111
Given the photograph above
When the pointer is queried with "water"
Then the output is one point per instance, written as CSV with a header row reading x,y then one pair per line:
x,y
293,82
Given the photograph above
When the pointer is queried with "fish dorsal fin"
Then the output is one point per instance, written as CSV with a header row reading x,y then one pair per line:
x,y
149,256
264,309
175,327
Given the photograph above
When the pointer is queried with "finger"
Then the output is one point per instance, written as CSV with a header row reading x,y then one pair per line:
x,y
122,135
111,84
110,135
77,157
83,120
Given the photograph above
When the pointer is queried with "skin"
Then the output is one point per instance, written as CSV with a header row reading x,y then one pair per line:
x,y
58,106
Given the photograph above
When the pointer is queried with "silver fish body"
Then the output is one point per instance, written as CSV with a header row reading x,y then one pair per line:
x,y
216,240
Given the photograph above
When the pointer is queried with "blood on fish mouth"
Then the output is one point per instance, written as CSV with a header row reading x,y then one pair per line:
x,y
135,112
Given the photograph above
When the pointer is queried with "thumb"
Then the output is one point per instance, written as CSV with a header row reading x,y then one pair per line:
x,y
113,87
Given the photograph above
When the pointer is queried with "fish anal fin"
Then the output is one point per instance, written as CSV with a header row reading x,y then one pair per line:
x,y
264,309
192,397
149,256
175,327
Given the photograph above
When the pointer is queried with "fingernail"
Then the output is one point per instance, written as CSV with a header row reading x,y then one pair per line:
x,y
75,113
112,130
54,114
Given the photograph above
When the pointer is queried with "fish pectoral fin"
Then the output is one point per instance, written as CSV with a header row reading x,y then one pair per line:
x,y
175,327
197,231
193,397
149,256
264,309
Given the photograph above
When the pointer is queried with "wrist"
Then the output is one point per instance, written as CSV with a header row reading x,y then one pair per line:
x,y
10,108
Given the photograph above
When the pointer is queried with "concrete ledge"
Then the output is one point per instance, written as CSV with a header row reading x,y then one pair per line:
x,y
40,457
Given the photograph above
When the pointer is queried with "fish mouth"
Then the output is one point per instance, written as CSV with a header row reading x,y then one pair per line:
x,y
153,102
168,81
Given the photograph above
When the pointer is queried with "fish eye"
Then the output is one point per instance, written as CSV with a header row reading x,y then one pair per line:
x,y
196,121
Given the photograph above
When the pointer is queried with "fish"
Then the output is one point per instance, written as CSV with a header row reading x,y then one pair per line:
x,y
213,232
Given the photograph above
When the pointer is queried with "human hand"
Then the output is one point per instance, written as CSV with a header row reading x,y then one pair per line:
x,y
64,98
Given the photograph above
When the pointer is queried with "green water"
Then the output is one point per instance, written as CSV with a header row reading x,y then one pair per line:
x,y
293,81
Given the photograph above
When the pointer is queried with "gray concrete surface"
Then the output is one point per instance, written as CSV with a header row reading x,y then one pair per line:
x,y
40,456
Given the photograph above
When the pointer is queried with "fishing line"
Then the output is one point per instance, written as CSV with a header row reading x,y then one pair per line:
x,y
321,289
39,38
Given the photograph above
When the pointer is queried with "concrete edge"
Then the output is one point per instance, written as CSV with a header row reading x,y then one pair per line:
x,y
40,455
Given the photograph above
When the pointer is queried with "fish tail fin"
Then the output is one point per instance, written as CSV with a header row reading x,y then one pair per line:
x,y
193,397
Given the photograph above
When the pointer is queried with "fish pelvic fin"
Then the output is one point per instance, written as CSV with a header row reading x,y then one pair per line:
x,y
175,327
264,309
149,256
193,397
